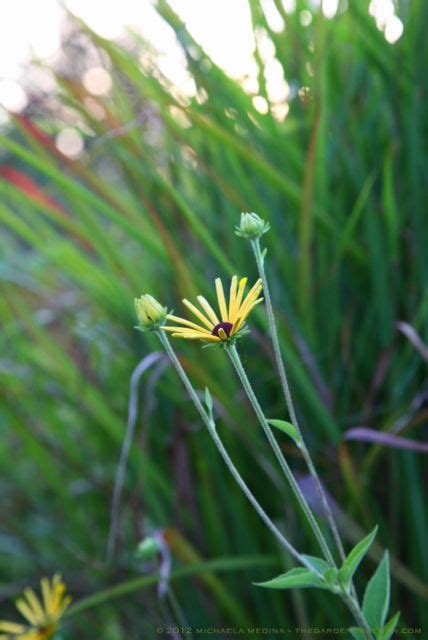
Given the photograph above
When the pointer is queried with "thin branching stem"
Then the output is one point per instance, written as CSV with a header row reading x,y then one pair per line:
x,y
288,399
236,361
210,424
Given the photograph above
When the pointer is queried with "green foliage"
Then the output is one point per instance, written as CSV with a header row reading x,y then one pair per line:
x,y
388,630
298,578
286,427
151,207
354,558
377,594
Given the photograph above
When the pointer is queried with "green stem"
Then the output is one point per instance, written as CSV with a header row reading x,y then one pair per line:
x,y
209,422
236,361
288,399
123,589
354,608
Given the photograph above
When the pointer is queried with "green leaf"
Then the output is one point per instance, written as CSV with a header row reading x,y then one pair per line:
x,y
376,596
388,630
354,558
331,576
318,564
287,428
209,401
297,578
356,633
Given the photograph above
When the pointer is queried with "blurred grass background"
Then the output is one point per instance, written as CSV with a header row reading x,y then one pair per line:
x,y
150,206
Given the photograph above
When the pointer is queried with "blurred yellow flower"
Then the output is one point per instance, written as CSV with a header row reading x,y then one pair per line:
x,y
225,326
42,615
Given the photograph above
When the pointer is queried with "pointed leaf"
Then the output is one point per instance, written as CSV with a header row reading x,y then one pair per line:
x,y
376,597
208,401
298,578
354,558
287,428
356,633
318,564
389,628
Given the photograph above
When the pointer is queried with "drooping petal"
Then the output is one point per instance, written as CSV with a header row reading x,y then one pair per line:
x,y
208,310
221,299
196,336
186,323
11,627
201,331
198,314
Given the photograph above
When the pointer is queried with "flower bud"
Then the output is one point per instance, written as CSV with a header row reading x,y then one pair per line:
x,y
151,315
148,548
251,226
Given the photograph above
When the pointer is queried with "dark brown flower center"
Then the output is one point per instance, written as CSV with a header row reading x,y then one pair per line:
x,y
226,326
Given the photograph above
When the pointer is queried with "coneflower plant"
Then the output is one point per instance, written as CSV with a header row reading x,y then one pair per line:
x,y
223,325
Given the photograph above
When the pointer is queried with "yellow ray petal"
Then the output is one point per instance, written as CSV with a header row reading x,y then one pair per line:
x,y
27,612
208,310
249,300
241,321
59,596
201,331
251,297
232,297
47,594
11,627
239,295
253,292
196,336
64,604
186,323
221,299
198,314
35,604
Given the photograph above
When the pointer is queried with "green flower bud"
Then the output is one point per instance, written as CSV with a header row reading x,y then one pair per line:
x,y
148,548
151,315
251,226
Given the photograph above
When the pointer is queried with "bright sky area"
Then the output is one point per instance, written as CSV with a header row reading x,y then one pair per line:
x,y
30,28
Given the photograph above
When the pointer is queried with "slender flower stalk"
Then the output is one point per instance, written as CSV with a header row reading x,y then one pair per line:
x,y
210,424
236,361
350,600
288,399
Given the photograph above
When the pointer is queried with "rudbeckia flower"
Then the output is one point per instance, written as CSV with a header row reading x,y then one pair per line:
x,y
42,615
223,326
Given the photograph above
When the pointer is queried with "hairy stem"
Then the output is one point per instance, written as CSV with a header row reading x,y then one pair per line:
x,y
236,361
288,399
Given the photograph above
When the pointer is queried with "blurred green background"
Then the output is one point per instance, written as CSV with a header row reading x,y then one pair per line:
x,y
339,169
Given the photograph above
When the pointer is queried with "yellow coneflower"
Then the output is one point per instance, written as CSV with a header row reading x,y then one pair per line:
x,y
42,615
226,325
